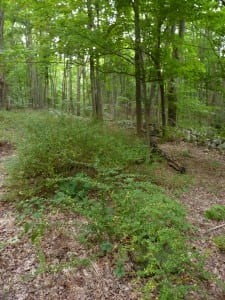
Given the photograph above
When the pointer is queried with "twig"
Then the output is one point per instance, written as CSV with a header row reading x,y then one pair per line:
x,y
214,228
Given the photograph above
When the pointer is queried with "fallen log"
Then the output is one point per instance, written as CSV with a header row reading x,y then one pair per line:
x,y
171,161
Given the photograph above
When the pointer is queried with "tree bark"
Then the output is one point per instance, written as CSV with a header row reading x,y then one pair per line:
x,y
137,60
53,89
94,71
64,87
113,97
70,89
78,90
160,77
2,79
33,80
172,96
98,100
1,29
85,95
172,103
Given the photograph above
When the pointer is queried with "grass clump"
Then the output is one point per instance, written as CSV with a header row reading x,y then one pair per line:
x,y
220,242
216,212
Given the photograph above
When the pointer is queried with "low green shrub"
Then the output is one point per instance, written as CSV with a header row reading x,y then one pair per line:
x,y
173,134
53,145
216,212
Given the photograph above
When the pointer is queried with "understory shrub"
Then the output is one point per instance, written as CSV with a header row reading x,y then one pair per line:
x,y
52,147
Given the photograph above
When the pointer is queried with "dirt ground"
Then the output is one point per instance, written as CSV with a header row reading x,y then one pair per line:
x,y
21,276
207,168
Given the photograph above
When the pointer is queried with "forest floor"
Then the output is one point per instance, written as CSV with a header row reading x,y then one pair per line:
x,y
207,168
22,278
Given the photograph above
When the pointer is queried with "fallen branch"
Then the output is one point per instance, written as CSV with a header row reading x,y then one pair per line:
x,y
215,228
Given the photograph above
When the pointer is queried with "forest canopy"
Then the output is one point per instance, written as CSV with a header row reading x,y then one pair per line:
x,y
158,62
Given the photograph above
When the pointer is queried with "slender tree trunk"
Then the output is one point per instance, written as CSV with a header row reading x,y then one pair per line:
x,y
99,103
32,73
70,88
84,88
64,87
172,103
137,60
47,101
53,91
172,95
2,75
93,85
113,96
1,28
160,77
94,71
98,100
78,90
163,100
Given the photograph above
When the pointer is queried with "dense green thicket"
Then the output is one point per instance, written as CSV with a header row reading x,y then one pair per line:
x,y
52,147
66,164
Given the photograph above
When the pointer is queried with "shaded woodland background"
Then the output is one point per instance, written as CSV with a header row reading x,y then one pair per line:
x,y
152,62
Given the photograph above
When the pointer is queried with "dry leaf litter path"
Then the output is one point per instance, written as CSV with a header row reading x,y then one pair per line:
x,y
207,168
20,274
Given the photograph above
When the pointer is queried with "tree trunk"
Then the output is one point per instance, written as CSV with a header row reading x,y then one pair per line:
x,y
137,60
53,90
172,103
160,77
85,94
172,96
98,100
78,90
33,82
163,101
1,28
64,87
148,114
70,89
94,71
93,85
2,76
46,98
113,97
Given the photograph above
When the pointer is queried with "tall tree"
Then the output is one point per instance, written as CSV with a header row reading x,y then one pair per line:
x,y
2,79
138,62
172,94
94,62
